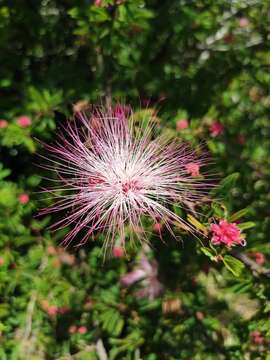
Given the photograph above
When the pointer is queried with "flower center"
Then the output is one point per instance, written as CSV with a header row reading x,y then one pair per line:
x,y
130,185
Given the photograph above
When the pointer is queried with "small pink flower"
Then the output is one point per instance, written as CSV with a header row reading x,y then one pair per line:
x,y
216,129
118,252
24,121
243,22
52,310
2,261
182,124
23,199
98,2
193,169
257,337
82,330
226,233
3,124
259,258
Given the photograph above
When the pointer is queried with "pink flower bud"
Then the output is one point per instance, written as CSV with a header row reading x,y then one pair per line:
x,y
182,124
2,261
118,252
3,124
82,330
23,199
24,121
243,22
98,2
259,258
157,228
216,129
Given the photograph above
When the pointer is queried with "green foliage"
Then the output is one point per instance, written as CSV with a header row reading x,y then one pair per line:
x,y
203,61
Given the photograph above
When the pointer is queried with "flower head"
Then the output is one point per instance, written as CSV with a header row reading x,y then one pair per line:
x,y
227,234
114,173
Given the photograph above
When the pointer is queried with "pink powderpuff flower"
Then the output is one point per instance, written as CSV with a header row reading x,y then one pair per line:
x,y
181,124
23,199
118,252
193,169
227,234
113,173
147,273
216,129
3,124
24,121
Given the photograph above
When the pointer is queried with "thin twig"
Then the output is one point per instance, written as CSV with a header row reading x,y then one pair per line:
x,y
101,350
261,270
29,315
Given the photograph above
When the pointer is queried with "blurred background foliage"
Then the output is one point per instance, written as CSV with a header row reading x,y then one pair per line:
x,y
205,62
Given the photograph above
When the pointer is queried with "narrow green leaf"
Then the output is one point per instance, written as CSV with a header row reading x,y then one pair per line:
x,y
239,214
246,225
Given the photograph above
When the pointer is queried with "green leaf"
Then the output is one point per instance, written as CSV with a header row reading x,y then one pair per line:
x,y
226,184
199,226
208,252
239,214
234,265
246,225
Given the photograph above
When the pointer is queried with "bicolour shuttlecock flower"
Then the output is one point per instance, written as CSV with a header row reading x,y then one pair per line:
x,y
225,233
114,173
